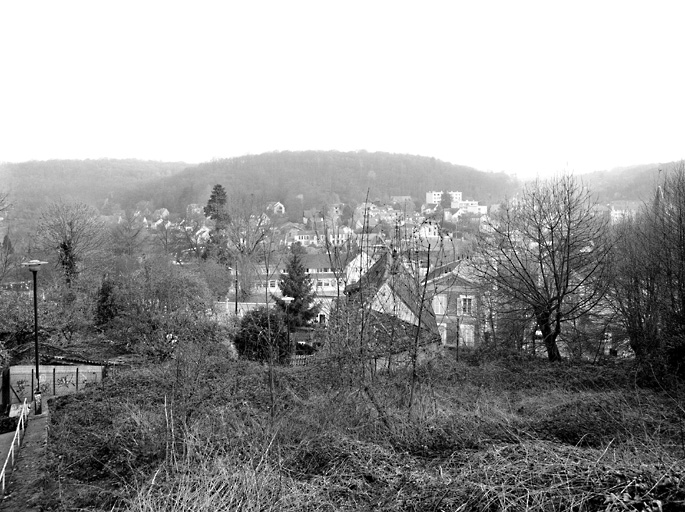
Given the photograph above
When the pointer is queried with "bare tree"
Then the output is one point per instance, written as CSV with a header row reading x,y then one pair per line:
x,y
649,272
636,284
191,238
128,236
74,232
546,251
248,224
4,202
239,239
165,238
7,257
6,250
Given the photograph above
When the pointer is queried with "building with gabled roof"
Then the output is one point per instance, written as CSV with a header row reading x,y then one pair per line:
x,y
456,302
396,305
276,207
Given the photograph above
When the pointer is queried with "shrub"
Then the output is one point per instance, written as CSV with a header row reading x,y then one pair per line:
x,y
263,336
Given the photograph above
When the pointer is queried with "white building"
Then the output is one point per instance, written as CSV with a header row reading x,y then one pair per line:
x,y
434,197
471,207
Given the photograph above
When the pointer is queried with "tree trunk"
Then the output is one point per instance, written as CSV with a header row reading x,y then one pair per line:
x,y
549,337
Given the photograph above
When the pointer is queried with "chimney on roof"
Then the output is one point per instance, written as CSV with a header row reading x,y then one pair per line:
x,y
391,267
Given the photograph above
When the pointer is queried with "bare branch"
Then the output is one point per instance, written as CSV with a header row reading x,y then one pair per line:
x,y
546,251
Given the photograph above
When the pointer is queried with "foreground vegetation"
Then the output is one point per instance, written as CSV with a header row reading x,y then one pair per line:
x,y
190,427
205,432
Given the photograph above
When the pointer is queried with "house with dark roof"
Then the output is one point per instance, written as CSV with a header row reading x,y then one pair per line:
x,y
397,307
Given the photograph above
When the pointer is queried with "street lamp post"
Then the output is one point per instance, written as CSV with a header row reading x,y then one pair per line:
x,y
33,266
236,292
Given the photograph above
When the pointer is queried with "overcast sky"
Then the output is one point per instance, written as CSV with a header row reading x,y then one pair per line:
x,y
519,86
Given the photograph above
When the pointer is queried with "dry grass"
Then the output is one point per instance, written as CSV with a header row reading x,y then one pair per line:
x,y
500,436
221,484
539,475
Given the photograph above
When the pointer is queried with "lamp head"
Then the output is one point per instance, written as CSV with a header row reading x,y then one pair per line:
x,y
34,265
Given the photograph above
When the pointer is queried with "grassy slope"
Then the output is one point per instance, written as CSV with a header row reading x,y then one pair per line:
x,y
198,434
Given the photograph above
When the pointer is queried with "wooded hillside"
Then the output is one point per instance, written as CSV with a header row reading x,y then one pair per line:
x,y
635,183
33,185
298,179
307,179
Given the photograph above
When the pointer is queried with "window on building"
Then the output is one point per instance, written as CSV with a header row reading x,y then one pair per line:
x,y
466,306
466,335
440,304
272,284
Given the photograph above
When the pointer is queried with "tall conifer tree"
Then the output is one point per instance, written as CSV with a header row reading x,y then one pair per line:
x,y
216,210
446,200
295,283
216,206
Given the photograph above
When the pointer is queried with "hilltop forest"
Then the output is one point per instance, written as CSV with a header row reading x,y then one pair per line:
x,y
298,179
311,178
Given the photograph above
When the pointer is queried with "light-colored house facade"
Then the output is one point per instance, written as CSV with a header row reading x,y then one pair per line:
x,y
277,208
622,210
456,303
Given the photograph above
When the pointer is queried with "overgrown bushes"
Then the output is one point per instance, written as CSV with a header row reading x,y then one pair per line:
x,y
154,307
202,432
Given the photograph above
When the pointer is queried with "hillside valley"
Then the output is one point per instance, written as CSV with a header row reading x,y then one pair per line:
x,y
299,180
207,407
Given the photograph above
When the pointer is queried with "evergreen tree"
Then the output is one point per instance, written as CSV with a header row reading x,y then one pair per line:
x,y
106,308
216,210
446,200
297,247
295,283
216,206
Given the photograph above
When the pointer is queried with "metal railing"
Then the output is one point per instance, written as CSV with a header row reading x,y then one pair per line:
x,y
16,441
300,360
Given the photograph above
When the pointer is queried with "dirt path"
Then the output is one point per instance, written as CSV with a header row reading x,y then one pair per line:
x,y
26,484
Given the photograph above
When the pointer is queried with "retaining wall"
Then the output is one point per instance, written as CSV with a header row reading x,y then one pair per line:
x,y
55,380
